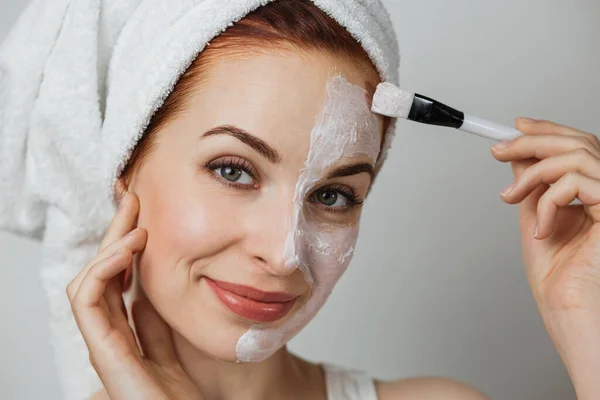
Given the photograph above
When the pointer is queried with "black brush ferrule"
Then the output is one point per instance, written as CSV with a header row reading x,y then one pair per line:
x,y
432,112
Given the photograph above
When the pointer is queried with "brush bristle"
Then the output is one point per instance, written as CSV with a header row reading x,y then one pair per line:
x,y
392,101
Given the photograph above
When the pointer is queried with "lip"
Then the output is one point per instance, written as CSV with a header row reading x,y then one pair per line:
x,y
252,304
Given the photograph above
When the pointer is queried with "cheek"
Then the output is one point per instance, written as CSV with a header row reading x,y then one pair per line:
x,y
181,233
326,254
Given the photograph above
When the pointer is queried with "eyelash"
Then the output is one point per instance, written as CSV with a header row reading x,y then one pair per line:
x,y
353,200
232,162
244,165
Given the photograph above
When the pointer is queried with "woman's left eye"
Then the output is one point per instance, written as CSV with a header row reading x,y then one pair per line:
x,y
235,174
331,198
336,198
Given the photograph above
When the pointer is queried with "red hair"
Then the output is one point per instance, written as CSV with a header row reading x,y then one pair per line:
x,y
281,24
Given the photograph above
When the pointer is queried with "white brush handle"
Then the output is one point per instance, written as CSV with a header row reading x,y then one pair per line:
x,y
488,129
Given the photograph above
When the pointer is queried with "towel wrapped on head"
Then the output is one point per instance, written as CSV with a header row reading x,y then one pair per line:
x,y
79,82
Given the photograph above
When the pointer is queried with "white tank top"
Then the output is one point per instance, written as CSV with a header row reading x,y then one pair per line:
x,y
346,384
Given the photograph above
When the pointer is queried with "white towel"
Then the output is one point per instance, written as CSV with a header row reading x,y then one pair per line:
x,y
79,82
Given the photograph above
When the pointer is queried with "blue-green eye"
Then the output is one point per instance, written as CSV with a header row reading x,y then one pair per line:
x,y
335,198
331,198
235,174
233,171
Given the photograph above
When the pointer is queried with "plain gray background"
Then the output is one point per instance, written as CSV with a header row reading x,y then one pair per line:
x,y
437,285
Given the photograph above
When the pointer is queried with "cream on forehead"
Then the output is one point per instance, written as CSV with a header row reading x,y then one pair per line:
x,y
345,128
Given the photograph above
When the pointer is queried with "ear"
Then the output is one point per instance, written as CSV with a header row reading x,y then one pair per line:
x,y
120,188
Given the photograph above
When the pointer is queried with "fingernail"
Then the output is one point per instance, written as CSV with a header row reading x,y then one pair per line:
x,y
507,189
527,120
535,230
501,145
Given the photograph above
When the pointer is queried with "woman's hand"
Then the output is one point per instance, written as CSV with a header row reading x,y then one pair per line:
x,y
97,303
562,260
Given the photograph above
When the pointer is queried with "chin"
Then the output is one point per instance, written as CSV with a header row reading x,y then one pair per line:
x,y
212,329
216,338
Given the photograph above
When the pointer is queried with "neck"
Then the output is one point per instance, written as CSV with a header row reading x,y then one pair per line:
x,y
281,376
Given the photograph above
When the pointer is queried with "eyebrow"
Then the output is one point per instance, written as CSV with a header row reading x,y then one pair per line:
x,y
260,146
350,170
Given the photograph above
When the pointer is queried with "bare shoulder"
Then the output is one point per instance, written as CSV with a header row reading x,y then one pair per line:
x,y
426,388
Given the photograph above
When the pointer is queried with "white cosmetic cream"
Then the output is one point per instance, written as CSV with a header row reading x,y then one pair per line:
x,y
345,128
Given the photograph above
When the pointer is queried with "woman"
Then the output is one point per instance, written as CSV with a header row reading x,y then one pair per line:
x,y
239,211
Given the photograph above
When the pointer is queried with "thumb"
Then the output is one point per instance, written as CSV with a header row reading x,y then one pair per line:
x,y
154,333
528,207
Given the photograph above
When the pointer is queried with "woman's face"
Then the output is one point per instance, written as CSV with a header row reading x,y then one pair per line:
x,y
251,199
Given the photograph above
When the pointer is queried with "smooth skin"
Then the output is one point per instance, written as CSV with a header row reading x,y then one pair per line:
x,y
562,263
152,370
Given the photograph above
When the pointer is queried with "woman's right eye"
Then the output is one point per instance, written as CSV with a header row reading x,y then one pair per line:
x,y
233,171
235,175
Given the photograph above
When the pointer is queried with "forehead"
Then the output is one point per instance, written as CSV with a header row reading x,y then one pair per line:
x,y
275,95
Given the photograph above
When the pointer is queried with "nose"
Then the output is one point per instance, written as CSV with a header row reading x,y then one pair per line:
x,y
266,230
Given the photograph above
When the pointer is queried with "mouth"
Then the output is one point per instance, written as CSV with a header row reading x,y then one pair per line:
x,y
252,304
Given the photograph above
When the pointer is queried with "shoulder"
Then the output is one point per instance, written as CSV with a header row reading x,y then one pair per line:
x,y
427,388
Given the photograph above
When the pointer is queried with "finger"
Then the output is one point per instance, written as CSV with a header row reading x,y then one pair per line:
x,y
518,167
528,206
542,127
113,295
98,312
110,341
571,186
550,170
115,308
120,189
134,240
153,333
127,279
540,147
89,306
94,283
124,220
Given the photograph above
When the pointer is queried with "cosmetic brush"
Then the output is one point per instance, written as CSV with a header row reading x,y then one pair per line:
x,y
392,101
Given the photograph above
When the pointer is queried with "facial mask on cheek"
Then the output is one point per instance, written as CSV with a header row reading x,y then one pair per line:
x,y
346,127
